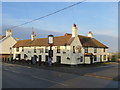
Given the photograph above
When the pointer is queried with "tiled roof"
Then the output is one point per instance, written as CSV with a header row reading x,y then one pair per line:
x,y
22,43
91,42
60,41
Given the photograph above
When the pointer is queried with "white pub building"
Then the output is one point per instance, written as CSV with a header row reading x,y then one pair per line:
x,y
69,49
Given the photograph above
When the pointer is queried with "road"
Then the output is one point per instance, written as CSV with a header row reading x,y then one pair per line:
x,y
18,76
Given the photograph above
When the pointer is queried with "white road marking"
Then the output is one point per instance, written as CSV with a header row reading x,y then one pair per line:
x,y
98,76
23,66
6,69
15,71
18,65
49,80
105,66
11,71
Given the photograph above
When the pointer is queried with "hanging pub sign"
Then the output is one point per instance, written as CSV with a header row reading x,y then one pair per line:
x,y
50,39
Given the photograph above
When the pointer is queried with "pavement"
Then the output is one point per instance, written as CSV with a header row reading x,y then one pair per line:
x,y
21,76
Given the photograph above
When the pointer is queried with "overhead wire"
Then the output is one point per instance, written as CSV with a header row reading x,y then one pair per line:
x,y
47,15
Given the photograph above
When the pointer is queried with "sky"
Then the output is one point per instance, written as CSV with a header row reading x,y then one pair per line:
x,y
99,17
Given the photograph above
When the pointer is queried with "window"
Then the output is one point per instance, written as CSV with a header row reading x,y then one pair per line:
x,y
73,49
34,50
29,52
22,49
41,50
58,49
18,56
25,56
79,51
95,50
78,48
100,57
86,49
17,49
103,49
46,50
95,58
104,57
81,59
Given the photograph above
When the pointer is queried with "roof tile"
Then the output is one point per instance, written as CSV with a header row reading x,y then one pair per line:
x,y
60,41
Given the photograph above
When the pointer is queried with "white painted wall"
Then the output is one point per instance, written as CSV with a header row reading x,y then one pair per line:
x,y
99,52
6,43
87,60
74,57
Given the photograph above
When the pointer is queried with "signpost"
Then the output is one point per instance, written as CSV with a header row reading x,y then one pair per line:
x,y
50,53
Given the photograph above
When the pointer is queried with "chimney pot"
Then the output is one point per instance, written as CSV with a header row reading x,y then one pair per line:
x,y
74,25
90,34
8,32
74,31
33,36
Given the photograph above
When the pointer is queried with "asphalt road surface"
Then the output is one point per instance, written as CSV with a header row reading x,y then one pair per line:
x,y
18,76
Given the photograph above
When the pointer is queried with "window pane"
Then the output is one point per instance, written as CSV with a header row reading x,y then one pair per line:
x,y
95,50
46,50
73,49
58,49
104,57
86,50
17,49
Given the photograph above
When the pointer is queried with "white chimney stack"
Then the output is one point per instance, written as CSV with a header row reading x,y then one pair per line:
x,y
90,34
8,32
74,31
33,36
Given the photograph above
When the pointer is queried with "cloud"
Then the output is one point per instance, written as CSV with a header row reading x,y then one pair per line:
x,y
25,32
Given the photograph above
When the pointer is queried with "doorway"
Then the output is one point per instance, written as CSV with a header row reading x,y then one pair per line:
x,y
40,59
58,59
46,58
91,59
34,59
18,56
